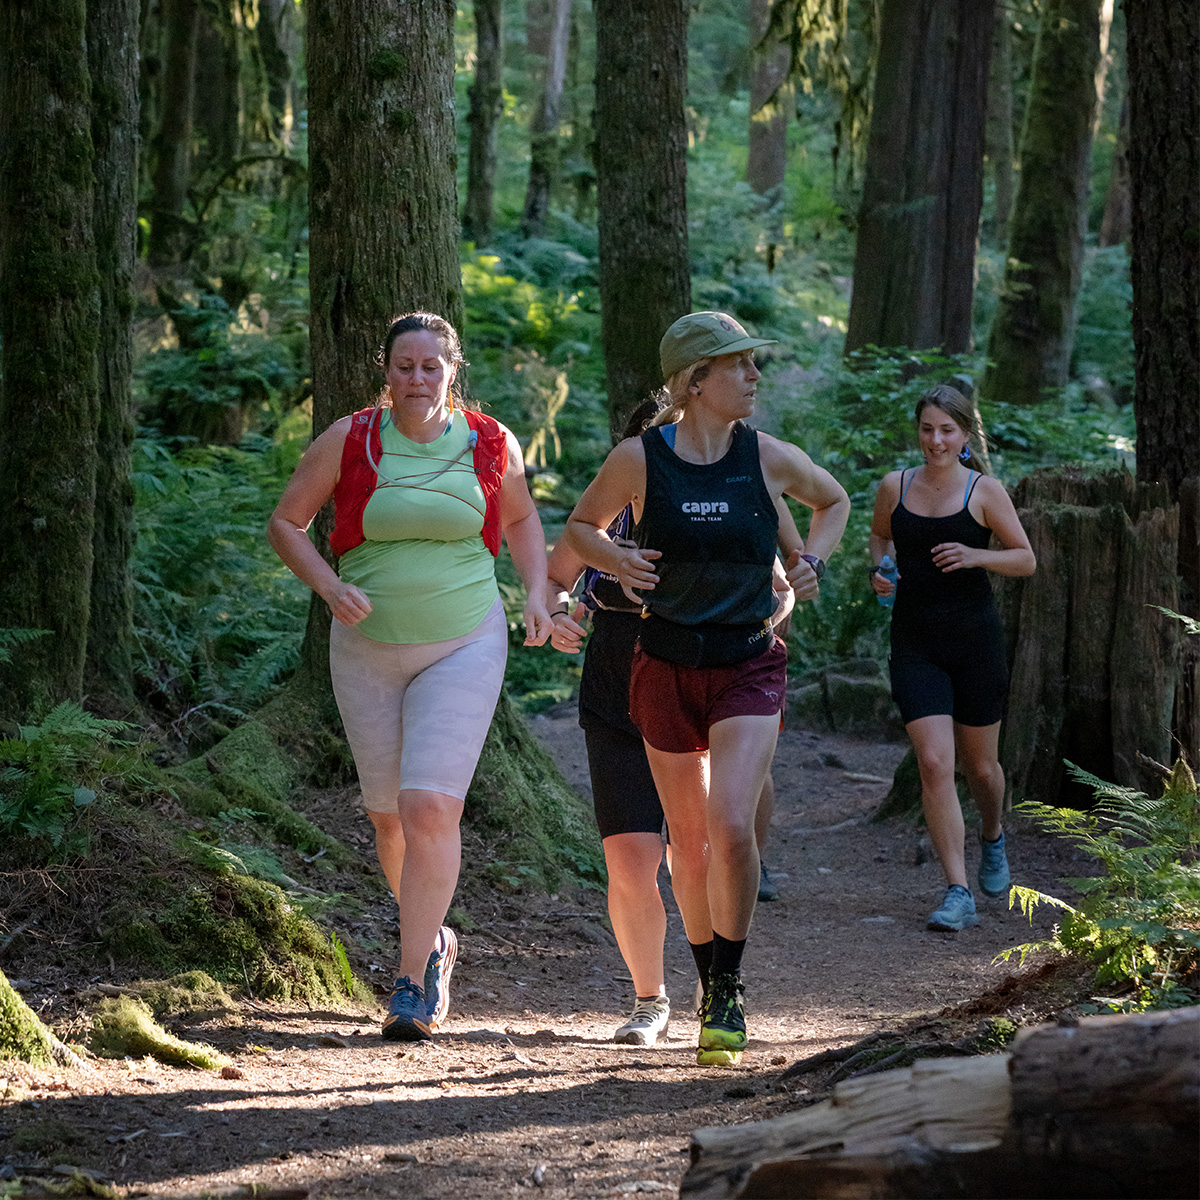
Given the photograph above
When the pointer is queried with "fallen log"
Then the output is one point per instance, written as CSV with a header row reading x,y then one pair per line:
x,y
1109,1107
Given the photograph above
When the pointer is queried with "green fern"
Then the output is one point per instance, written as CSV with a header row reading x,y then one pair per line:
x,y
1139,921
17,637
343,962
53,772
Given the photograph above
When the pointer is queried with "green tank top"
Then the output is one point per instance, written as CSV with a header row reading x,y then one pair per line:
x,y
423,565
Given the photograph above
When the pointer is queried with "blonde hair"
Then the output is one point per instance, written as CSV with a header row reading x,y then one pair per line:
x,y
677,388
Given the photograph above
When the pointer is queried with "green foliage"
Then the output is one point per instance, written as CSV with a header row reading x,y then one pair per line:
x,y
51,775
228,377
216,613
1103,350
1139,922
17,637
343,962
22,1034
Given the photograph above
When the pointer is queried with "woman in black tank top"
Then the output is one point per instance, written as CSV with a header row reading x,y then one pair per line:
x,y
948,662
708,678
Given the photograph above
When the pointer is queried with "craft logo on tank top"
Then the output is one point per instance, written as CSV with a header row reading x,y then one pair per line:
x,y
705,510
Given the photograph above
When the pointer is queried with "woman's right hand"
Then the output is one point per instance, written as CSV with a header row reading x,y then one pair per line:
x,y
881,586
348,603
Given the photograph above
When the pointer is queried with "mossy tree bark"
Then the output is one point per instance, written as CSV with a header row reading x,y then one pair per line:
x,y
1000,123
218,97
914,263
1163,41
641,175
543,128
112,41
49,315
172,141
486,94
1029,348
766,159
1094,665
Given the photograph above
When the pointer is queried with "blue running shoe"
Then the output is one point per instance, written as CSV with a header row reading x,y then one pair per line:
x,y
993,867
437,975
408,1017
957,910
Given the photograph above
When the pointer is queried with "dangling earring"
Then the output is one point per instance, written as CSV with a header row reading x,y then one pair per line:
x,y
964,455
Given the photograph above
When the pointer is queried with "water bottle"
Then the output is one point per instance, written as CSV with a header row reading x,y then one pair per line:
x,y
887,569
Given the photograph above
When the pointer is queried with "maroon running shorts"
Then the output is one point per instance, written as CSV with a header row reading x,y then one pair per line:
x,y
674,707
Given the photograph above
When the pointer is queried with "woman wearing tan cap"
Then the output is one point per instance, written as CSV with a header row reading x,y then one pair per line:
x,y
709,675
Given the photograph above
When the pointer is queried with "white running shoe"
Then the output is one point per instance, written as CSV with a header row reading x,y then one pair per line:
x,y
648,1020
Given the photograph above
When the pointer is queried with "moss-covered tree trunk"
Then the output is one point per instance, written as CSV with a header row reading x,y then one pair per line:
x,y
218,99
49,314
914,263
1163,42
487,103
641,174
1094,664
1029,348
766,159
1000,124
543,128
112,40
172,141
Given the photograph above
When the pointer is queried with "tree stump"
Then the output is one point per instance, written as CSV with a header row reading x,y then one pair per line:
x,y
1094,664
1107,1108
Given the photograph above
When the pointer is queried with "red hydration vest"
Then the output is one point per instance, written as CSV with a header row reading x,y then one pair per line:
x,y
357,480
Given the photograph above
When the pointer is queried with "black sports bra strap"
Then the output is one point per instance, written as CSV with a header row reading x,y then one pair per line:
x,y
971,490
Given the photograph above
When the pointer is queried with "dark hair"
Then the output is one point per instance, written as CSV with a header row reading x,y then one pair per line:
x,y
643,416
447,335
962,412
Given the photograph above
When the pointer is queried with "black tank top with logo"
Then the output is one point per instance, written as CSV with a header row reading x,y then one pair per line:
x,y
716,526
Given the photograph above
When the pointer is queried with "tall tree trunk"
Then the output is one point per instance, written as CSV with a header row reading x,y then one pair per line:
x,y
217,100
1163,48
641,172
487,103
914,265
766,160
49,313
112,40
1029,349
172,143
1000,124
543,128
384,219
1114,227
1164,167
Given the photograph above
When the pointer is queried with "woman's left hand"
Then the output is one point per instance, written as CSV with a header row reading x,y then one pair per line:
x,y
952,556
538,624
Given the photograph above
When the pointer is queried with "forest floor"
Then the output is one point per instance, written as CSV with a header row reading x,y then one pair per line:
x,y
523,1091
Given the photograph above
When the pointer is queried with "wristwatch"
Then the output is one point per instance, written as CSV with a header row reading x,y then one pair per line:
x,y
817,564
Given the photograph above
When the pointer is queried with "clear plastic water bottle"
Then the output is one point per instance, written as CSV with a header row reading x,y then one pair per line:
x,y
887,569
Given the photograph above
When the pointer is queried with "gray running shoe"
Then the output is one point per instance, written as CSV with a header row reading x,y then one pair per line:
x,y
646,1023
993,867
957,910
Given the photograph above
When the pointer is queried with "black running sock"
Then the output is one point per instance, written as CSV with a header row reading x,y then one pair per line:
x,y
727,955
702,952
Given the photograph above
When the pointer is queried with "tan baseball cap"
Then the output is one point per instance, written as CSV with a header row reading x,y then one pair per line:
x,y
703,335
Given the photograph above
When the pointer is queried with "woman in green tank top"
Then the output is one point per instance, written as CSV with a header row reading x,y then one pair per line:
x,y
423,491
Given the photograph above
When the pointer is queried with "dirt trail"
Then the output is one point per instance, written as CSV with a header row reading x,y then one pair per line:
x,y
523,1089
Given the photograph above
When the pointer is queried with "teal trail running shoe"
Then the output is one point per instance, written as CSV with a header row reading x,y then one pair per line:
x,y
993,867
957,910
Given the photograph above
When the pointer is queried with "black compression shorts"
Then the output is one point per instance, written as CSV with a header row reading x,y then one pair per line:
x,y
623,791
953,668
